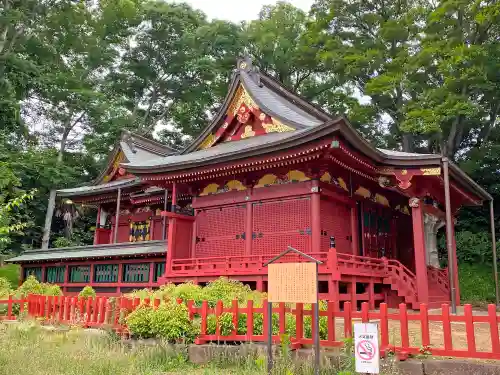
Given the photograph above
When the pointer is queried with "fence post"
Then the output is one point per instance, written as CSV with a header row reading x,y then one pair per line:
x,y
424,324
103,310
347,320
88,309
282,319
156,303
331,320
365,318
469,328
43,306
384,327
492,317
445,309
299,322
190,307
9,307
265,319
203,331
405,339
249,320
62,301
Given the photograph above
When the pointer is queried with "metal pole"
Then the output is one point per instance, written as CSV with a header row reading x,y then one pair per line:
x,y
316,328
449,235
164,225
117,215
494,248
269,337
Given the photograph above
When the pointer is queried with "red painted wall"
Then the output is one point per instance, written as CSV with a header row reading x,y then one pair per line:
x,y
281,223
219,231
183,239
336,221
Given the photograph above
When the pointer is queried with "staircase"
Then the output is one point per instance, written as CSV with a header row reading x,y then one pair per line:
x,y
403,282
439,287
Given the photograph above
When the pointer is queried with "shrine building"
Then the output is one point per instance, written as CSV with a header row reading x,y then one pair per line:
x,y
270,171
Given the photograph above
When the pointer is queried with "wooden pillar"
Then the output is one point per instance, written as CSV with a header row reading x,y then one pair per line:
x,y
352,292
164,219
194,236
371,295
44,273
117,215
455,265
260,284
97,225
248,228
172,224
151,274
417,216
120,277
21,275
354,230
91,276
315,218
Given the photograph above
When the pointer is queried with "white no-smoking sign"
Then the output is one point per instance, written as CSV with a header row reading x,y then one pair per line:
x,y
366,348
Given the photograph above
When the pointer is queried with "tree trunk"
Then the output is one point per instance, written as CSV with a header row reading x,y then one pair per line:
x,y
51,205
407,142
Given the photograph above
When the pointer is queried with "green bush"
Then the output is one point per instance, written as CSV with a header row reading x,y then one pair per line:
x,y
5,287
225,323
171,322
87,292
139,322
472,248
51,289
30,286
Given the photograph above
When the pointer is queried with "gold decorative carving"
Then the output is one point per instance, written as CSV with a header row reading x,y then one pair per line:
x,y
276,127
404,172
363,192
248,132
262,116
414,202
210,189
296,175
379,198
266,180
431,171
342,183
403,209
243,65
241,97
208,142
235,185
327,177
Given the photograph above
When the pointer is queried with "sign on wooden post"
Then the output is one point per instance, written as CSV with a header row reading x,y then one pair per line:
x,y
366,348
292,282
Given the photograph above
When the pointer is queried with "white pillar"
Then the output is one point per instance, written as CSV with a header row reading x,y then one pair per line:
x,y
431,226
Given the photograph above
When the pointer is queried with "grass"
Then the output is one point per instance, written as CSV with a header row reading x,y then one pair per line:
x,y
11,272
477,285
27,348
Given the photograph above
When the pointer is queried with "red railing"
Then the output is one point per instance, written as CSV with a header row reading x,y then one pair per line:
x,y
235,265
402,332
439,278
14,306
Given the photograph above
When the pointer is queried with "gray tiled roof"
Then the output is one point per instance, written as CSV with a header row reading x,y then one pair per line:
x,y
218,150
276,105
98,251
97,189
405,154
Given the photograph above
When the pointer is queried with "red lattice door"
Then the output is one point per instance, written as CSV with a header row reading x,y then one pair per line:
x,y
378,231
220,232
336,222
279,224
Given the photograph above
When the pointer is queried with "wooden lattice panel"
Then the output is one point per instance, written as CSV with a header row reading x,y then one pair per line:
x,y
379,234
55,274
336,221
220,232
279,224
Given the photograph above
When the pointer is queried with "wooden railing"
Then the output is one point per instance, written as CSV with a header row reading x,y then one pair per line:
x,y
440,278
401,332
236,265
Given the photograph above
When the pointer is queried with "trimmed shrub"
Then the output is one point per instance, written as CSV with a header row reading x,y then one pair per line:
x,y
139,322
87,292
5,289
225,323
171,322
30,286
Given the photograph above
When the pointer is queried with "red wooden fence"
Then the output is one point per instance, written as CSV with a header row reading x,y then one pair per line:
x,y
401,332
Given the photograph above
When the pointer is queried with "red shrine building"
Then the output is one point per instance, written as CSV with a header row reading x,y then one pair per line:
x,y
270,171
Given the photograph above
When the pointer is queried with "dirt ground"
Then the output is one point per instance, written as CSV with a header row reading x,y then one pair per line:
x,y
459,336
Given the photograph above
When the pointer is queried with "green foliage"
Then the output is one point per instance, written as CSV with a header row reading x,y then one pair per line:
x,y
225,321
5,287
139,321
87,292
171,322
11,272
30,286
477,285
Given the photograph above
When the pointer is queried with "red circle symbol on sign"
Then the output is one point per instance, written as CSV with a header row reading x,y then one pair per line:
x,y
366,350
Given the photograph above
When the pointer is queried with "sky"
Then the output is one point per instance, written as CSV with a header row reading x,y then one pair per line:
x,y
236,11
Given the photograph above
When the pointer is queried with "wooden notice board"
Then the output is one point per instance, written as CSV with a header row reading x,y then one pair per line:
x,y
292,282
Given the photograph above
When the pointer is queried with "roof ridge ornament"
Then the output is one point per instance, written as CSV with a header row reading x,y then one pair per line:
x,y
245,64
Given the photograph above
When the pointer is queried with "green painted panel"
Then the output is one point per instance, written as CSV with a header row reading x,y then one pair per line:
x,y
106,273
35,271
79,274
55,274
136,273
159,270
